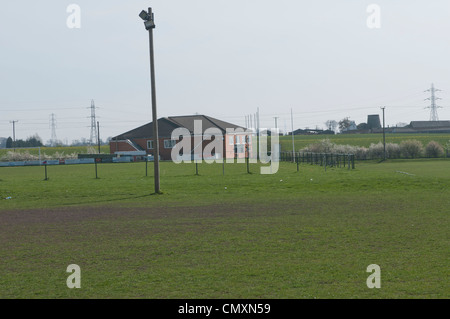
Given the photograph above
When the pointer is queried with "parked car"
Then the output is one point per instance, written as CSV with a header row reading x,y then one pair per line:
x,y
151,158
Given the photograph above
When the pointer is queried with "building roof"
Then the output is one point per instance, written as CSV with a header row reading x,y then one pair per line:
x,y
430,124
166,125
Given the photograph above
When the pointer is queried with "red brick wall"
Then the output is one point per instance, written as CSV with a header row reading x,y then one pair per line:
x,y
165,153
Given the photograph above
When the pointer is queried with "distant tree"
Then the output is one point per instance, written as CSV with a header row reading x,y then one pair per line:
x,y
34,141
344,124
81,142
9,142
362,126
331,125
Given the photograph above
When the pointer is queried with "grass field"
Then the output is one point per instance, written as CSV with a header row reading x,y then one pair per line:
x,y
306,234
301,141
365,140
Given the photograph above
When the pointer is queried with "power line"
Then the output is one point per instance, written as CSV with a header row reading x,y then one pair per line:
x,y
433,107
53,128
94,135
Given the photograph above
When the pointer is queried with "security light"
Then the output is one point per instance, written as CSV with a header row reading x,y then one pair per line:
x,y
149,24
144,15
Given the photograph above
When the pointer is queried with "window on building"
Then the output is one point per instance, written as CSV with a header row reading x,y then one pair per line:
x,y
231,139
149,145
169,143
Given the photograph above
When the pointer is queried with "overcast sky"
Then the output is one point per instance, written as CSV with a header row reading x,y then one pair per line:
x,y
220,58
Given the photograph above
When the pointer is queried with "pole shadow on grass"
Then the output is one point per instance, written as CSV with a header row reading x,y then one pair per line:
x,y
109,200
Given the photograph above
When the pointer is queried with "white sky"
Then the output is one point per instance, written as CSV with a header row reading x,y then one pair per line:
x,y
223,58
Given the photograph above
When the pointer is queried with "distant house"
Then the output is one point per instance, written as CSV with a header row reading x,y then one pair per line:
x,y
140,139
3,142
420,127
310,132
351,127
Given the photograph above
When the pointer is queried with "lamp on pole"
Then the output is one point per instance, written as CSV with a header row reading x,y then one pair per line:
x,y
149,23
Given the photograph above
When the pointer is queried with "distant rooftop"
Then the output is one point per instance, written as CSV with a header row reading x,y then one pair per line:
x,y
429,124
167,124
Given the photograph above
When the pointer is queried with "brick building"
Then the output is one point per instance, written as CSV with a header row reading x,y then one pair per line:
x,y
141,138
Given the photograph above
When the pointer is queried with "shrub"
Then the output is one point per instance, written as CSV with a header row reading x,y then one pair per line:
x,y
11,156
91,150
345,149
434,149
411,148
376,150
393,150
362,153
18,156
323,146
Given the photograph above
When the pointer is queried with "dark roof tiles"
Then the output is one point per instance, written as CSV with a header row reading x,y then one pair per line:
x,y
166,125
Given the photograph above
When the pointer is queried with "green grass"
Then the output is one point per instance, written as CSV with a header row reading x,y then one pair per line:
x,y
307,234
365,140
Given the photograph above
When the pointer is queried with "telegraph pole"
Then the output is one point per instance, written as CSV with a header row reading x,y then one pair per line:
x,y
384,136
293,143
276,121
257,121
98,136
14,133
149,22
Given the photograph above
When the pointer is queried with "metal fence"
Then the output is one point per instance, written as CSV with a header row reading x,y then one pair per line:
x,y
322,159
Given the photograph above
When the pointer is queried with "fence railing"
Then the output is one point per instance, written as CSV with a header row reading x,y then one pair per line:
x,y
322,159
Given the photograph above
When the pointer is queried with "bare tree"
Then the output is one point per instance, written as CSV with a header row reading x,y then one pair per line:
x,y
344,124
331,125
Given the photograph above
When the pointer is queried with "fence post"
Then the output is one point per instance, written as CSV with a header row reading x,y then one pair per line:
x,y
96,176
46,178
353,161
247,157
